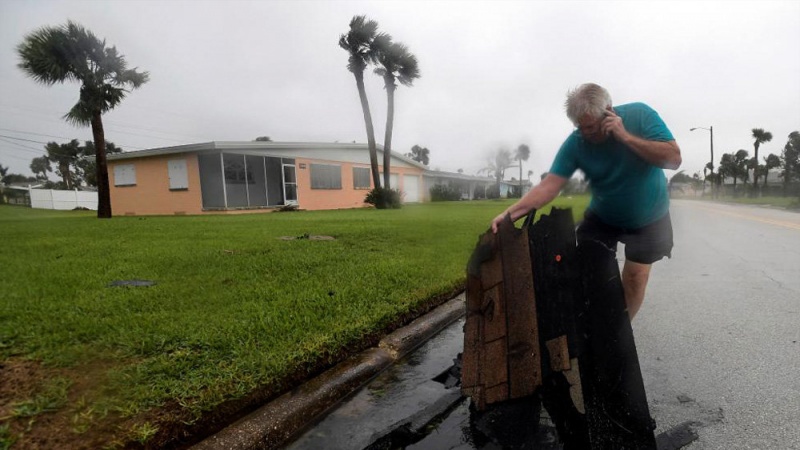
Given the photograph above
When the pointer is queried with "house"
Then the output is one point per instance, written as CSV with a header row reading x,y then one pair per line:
x,y
232,177
471,187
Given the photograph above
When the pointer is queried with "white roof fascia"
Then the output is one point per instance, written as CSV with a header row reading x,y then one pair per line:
x,y
280,149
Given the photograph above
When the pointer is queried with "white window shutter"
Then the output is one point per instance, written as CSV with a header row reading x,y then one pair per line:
x,y
178,175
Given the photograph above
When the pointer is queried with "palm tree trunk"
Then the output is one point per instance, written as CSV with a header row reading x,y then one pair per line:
x,y
755,171
387,139
103,189
373,151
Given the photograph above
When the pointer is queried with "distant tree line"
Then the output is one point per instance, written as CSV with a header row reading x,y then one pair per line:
x,y
740,166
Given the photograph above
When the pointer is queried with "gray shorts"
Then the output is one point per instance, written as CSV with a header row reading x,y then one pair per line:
x,y
644,245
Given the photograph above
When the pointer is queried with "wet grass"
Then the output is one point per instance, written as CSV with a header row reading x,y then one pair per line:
x,y
234,308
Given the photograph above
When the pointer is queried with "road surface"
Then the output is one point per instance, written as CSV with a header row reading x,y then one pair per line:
x,y
718,339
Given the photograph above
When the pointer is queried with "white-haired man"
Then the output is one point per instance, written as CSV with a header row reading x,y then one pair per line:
x,y
623,151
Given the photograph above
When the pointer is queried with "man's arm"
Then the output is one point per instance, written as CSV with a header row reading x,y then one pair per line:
x,y
542,194
664,154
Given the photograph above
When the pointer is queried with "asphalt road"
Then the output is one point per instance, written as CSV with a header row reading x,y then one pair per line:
x,y
718,340
719,334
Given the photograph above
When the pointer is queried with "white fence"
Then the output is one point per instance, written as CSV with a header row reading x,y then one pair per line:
x,y
66,200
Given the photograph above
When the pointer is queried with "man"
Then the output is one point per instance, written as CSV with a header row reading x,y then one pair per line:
x,y
622,150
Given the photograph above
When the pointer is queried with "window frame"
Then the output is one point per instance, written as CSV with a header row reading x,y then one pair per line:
x,y
328,169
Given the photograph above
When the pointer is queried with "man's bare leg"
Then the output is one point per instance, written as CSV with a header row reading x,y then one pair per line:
x,y
634,281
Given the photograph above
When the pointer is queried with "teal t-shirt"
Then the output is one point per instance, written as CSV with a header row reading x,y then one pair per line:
x,y
627,191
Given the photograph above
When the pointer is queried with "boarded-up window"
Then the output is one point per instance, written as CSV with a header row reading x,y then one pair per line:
x,y
125,175
326,176
361,178
178,177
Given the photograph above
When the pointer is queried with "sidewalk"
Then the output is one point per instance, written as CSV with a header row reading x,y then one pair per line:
x,y
275,424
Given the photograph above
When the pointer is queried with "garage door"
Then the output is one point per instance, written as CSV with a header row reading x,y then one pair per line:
x,y
411,188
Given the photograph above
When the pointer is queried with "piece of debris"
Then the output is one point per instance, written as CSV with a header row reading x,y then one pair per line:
x,y
684,398
677,437
310,237
133,283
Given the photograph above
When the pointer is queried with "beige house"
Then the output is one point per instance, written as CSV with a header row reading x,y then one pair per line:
x,y
231,177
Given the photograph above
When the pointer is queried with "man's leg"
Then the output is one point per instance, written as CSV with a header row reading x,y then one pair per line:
x,y
634,281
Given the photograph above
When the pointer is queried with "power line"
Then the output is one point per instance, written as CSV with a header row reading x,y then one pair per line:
x,y
20,139
17,157
39,151
35,134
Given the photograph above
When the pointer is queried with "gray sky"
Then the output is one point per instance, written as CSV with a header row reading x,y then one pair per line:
x,y
494,74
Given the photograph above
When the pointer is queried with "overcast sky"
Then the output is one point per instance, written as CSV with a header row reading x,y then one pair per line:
x,y
494,74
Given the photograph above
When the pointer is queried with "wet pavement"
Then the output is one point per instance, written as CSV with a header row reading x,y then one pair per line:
x,y
394,397
406,407
718,340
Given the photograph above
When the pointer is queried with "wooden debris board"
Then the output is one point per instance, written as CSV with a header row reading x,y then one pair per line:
x,y
502,358
546,317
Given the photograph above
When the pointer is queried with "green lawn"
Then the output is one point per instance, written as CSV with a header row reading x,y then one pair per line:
x,y
234,310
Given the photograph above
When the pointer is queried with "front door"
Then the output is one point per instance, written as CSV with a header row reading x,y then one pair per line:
x,y
289,184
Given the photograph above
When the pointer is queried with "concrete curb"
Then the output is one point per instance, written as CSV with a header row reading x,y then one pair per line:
x,y
272,425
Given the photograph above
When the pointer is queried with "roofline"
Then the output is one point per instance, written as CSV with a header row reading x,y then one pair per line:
x,y
257,145
454,175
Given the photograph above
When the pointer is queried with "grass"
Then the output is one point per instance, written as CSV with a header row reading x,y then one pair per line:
x,y
234,308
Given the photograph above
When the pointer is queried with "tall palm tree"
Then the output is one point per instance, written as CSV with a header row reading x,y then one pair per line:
x,y
522,153
760,137
396,64
358,43
70,52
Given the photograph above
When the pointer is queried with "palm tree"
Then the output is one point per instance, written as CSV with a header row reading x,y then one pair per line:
x,y
64,156
760,137
522,153
741,161
40,166
419,154
70,52
497,165
726,168
397,64
790,159
358,43
772,161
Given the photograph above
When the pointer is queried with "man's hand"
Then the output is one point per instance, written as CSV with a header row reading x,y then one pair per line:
x,y
496,221
666,155
612,125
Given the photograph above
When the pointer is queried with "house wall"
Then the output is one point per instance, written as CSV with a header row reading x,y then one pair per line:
x,y
347,196
151,195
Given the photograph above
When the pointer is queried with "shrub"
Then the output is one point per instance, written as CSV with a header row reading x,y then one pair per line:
x,y
442,193
493,192
383,198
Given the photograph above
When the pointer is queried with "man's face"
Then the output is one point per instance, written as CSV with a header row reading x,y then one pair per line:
x,y
591,129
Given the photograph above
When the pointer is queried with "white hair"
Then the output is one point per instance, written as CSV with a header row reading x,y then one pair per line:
x,y
588,98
